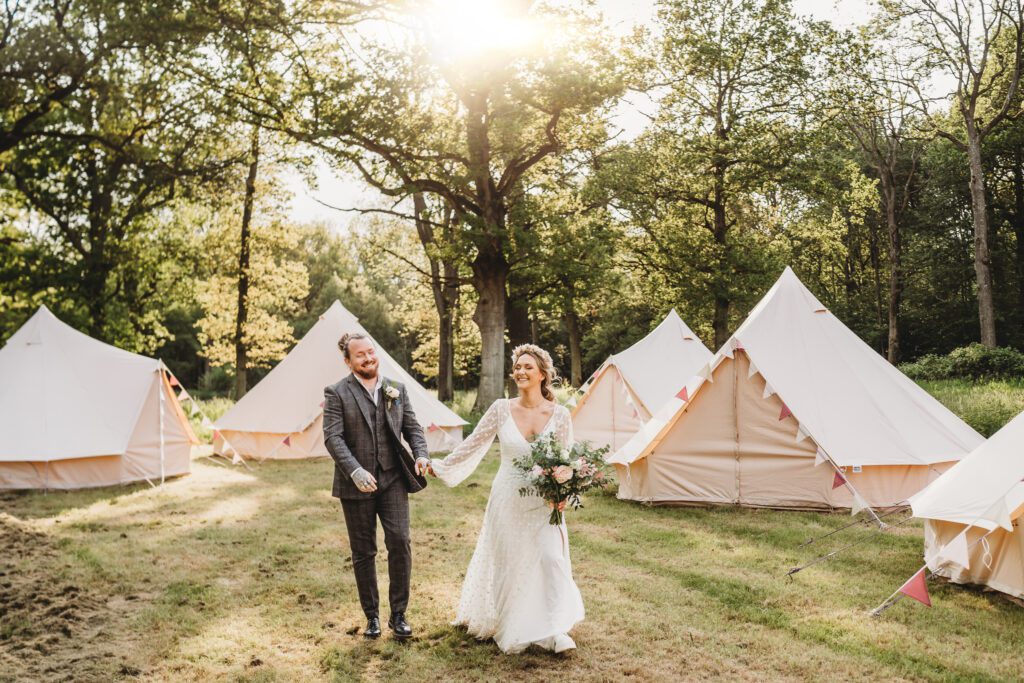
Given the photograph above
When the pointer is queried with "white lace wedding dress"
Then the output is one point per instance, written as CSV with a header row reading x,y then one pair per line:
x,y
519,588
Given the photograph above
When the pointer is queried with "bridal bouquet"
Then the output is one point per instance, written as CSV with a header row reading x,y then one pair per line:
x,y
559,474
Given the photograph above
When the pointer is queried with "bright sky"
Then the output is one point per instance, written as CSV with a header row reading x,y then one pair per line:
x,y
621,15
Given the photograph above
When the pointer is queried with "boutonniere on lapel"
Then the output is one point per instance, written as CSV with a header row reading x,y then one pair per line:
x,y
391,395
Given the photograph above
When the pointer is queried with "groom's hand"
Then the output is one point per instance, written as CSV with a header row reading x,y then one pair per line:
x,y
364,481
423,467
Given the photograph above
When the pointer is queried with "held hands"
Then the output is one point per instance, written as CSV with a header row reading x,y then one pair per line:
x,y
364,481
423,467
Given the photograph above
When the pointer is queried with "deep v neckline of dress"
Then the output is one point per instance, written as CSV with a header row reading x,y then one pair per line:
x,y
515,425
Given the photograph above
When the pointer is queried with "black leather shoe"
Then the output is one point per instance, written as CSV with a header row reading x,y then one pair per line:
x,y
399,625
372,628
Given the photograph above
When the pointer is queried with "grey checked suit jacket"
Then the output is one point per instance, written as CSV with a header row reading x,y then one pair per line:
x,y
348,435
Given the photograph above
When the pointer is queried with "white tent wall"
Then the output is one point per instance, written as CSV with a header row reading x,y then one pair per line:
x,y
287,402
143,459
983,493
728,446
77,413
309,443
633,384
1005,569
139,462
74,473
603,416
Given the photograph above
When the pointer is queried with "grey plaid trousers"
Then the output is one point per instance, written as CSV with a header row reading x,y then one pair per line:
x,y
391,505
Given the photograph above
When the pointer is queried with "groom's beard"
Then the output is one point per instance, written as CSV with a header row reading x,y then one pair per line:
x,y
368,371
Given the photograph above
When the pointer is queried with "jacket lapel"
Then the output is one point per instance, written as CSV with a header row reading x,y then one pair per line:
x,y
389,405
361,400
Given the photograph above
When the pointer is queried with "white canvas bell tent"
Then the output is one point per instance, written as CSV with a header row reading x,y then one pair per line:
x,y
282,416
633,384
973,515
77,413
795,411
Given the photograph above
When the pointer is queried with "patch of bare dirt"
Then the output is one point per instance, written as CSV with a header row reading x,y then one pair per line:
x,y
53,629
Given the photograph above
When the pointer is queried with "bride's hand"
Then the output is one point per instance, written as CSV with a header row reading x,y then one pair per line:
x,y
423,467
561,506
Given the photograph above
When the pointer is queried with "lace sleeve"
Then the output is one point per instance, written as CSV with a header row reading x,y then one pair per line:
x,y
462,461
563,427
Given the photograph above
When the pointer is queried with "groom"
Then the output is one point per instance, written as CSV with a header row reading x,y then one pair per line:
x,y
365,418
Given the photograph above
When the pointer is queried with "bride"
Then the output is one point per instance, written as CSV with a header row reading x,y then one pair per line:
x,y
519,588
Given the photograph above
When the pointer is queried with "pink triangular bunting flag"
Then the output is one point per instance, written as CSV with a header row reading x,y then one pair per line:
x,y
838,480
287,440
785,412
916,588
173,380
217,434
683,395
321,404
433,427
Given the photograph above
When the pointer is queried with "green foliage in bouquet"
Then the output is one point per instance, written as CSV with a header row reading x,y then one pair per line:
x,y
559,474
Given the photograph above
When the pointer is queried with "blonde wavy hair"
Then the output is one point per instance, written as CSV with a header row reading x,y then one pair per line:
x,y
544,363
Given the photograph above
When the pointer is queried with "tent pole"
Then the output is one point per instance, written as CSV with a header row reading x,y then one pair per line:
x,y
160,384
736,424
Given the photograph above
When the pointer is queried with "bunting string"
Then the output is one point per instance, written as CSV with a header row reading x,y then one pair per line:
x,y
856,522
194,408
835,552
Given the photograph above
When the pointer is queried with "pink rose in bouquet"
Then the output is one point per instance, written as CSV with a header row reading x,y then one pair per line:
x,y
561,475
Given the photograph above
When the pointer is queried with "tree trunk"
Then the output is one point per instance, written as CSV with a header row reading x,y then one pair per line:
x,y
446,357
242,314
93,286
720,322
572,326
490,267
518,315
895,267
490,274
876,267
982,257
1018,221
446,295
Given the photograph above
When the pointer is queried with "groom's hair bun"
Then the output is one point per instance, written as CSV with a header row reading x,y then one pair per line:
x,y
348,338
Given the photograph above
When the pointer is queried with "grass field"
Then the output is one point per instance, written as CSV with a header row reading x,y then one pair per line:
x,y
243,574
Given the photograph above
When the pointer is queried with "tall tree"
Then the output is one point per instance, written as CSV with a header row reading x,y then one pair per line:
x,y
876,106
437,236
960,39
733,78
464,120
245,50
113,155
